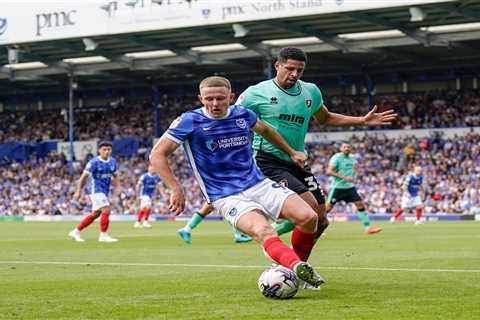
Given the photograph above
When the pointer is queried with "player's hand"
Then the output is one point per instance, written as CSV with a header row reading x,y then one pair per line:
x,y
177,201
299,158
379,119
348,179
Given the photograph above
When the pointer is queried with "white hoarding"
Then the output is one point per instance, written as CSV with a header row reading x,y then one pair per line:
x,y
33,20
447,133
81,149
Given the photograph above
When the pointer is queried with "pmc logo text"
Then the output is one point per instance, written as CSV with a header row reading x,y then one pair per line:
x,y
54,20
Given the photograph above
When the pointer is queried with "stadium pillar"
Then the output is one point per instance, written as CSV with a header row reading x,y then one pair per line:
x,y
268,67
370,85
70,122
157,106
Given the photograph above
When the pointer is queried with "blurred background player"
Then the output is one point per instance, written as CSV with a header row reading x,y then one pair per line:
x,y
341,169
99,173
197,218
412,189
145,188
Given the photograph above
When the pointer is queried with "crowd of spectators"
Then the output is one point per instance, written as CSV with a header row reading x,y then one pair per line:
x,y
121,119
434,109
451,171
44,186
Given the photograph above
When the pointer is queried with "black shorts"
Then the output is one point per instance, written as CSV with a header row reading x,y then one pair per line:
x,y
299,180
348,195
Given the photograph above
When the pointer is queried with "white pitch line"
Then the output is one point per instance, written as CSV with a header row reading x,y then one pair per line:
x,y
401,269
227,266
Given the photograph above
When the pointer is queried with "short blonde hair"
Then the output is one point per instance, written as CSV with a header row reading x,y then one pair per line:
x,y
215,81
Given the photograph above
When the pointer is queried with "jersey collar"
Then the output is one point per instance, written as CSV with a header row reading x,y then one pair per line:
x,y
99,158
205,113
293,91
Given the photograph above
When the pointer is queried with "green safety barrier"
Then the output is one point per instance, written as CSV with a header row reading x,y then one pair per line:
x,y
11,218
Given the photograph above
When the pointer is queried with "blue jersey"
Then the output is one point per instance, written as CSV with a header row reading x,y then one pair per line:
x,y
101,173
148,183
219,150
413,184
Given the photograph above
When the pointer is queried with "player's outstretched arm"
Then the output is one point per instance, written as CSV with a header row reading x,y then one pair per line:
x,y
81,184
372,118
159,163
273,137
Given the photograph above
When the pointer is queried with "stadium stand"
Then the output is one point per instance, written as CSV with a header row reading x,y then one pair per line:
x,y
452,169
133,119
127,86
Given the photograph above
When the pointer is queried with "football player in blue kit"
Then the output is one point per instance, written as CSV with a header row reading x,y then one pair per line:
x,y
217,139
412,195
145,188
99,173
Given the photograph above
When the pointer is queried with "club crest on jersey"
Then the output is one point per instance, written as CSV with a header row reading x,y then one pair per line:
x,y
273,100
308,103
241,123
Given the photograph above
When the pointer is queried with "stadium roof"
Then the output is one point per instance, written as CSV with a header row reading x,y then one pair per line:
x,y
446,36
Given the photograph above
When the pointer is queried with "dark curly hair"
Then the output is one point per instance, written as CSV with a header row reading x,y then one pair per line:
x,y
291,53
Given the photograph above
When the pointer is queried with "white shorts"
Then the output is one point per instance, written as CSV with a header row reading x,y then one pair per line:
x,y
411,202
99,200
145,202
267,196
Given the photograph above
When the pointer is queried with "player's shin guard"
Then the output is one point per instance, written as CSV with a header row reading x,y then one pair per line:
x,y
140,214
104,221
280,252
418,213
87,221
363,217
398,213
146,213
194,221
302,243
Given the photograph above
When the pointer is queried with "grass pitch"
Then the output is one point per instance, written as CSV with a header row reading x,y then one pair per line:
x,y
430,271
